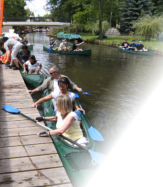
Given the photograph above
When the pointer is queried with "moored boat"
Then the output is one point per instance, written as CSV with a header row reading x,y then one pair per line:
x,y
30,47
33,80
77,162
149,52
83,53
62,35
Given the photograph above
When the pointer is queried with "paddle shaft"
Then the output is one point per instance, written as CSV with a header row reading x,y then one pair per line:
x,y
41,125
73,142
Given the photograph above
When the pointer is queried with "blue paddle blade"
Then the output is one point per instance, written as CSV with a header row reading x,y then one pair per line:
x,y
87,93
97,158
50,49
95,134
11,109
76,95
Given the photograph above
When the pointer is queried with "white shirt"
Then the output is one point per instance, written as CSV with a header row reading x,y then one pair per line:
x,y
28,63
56,94
56,87
62,45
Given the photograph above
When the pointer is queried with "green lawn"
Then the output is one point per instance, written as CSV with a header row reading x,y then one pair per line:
x,y
153,44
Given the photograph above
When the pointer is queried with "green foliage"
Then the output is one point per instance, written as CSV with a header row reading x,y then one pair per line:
x,y
132,10
94,27
14,8
148,26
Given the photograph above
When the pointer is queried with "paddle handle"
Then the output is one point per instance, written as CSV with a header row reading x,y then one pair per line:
x,y
41,125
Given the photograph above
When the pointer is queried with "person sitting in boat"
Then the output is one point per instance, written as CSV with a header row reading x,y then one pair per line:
x,y
67,121
132,46
64,85
125,44
14,45
140,47
75,46
25,42
24,54
34,67
51,83
52,43
62,46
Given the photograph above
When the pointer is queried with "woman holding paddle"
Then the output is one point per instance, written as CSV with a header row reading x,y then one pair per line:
x,y
67,121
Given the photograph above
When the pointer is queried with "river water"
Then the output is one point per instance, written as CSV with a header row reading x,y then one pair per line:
x,y
120,82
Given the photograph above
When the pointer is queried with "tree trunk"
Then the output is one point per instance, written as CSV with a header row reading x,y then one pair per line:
x,y
100,22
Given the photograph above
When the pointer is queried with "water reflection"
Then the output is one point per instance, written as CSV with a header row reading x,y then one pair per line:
x,y
120,81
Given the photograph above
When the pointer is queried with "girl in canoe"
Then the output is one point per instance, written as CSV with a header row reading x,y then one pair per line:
x,y
64,85
75,46
67,121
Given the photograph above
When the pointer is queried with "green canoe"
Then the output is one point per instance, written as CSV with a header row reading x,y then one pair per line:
x,y
30,47
33,80
62,35
76,161
149,52
83,53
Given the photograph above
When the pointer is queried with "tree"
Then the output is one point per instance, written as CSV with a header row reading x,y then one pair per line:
x,y
132,10
94,27
158,4
148,26
14,8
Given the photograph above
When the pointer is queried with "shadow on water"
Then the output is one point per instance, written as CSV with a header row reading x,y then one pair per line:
x,y
120,81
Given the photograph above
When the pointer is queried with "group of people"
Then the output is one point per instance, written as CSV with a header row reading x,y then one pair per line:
x,y
133,46
67,114
16,55
63,47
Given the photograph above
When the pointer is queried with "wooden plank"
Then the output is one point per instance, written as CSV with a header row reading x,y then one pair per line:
x,y
16,124
25,140
28,164
27,110
17,117
21,131
45,177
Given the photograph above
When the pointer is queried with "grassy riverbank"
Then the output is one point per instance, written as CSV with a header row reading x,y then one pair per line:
x,y
111,40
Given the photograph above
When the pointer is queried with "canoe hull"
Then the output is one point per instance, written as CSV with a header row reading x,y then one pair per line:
x,y
33,80
149,53
30,47
83,53
76,161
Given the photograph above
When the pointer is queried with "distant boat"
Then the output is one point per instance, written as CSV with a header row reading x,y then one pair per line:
x,y
83,53
149,52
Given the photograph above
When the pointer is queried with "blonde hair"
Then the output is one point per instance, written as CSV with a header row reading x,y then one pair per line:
x,y
64,104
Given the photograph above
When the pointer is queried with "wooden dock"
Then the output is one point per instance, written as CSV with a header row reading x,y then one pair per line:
x,y
25,159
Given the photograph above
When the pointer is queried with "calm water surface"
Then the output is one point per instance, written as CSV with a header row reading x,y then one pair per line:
x,y
121,82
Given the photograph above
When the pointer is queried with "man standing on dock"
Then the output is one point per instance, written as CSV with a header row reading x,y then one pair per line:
x,y
51,83
14,45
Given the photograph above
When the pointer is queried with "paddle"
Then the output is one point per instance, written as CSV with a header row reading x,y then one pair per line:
x,y
93,132
50,49
13,110
97,158
86,93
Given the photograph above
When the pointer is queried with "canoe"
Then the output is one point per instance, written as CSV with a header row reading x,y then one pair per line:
x,y
76,161
32,79
83,53
30,47
62,35
149,52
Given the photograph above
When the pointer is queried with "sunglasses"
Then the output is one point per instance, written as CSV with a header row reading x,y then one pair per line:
x,y
51,73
